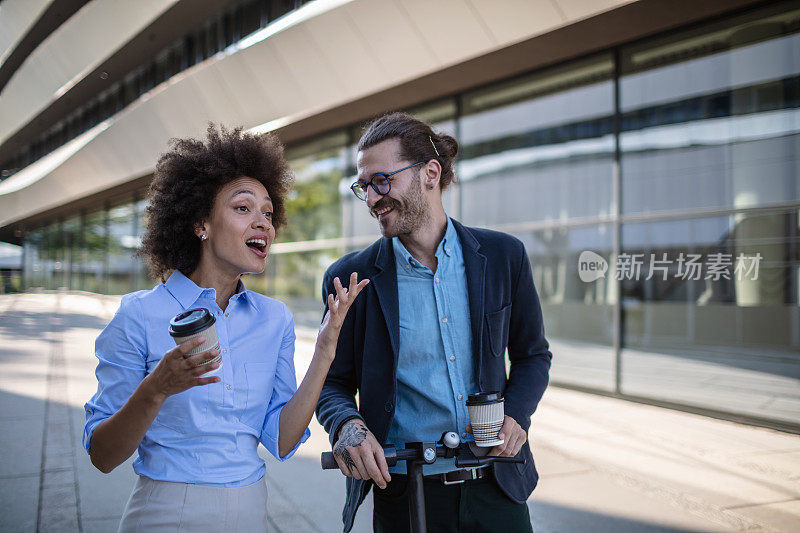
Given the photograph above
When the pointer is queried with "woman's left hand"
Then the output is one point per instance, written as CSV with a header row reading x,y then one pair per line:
x,y
338,306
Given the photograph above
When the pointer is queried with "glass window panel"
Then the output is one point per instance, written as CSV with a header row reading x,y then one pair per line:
x,y
578,315
122,244
33,259
718,128
73,252
724,334
54,257
10,267
141,278
278,8
250,18
441,113
314,208
528,146
94,265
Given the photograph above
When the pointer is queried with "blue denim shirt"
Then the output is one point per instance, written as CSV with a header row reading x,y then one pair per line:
x,y
435,368
208,434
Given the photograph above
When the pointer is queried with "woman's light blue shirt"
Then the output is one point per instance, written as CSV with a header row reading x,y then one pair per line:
x,y
208,434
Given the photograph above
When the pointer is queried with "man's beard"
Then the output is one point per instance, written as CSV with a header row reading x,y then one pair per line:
x,y
411,212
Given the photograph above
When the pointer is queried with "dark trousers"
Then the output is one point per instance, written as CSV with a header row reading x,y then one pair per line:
x,y
472,506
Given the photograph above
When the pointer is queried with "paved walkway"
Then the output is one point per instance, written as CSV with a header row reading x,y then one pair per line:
x,y
606,465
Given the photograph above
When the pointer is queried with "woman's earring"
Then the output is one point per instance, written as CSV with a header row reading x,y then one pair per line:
x,y
203,237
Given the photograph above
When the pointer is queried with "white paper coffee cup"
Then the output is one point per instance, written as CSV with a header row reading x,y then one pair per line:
x,y
486,415
193,323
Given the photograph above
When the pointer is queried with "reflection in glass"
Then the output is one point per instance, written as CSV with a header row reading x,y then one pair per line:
x,y
141,279
314,206
54,257
578,315
94,248
72,250
529,146
726,334
33,266
717,129
122,242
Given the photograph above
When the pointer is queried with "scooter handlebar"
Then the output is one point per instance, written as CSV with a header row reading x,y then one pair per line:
x,y
390,453
328,462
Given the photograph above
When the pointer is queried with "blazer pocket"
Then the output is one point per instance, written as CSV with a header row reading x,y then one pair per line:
x,y
497,324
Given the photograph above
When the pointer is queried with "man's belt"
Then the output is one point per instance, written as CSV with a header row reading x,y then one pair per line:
x,y
460,476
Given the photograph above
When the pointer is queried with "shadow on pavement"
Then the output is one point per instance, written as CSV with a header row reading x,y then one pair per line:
x,y
549,518
18,324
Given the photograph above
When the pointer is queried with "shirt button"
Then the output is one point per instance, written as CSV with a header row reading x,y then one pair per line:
x,y
388,407
227,314
453,358
460,397
447,250
444,319
436,280
228,387
224,350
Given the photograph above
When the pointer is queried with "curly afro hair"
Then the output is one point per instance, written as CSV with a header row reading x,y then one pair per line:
x,y
187,180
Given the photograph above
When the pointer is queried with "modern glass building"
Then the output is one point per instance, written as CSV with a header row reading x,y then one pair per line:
x,y
648,157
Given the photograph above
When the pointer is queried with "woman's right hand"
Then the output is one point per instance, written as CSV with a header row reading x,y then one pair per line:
x,y
176,373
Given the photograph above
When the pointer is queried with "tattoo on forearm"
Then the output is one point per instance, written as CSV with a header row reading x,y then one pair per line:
x,y
351,435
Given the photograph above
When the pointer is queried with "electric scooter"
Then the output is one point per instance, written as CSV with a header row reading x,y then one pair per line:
x,y
418,454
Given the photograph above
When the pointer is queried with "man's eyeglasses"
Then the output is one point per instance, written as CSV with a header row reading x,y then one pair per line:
x,y
379,182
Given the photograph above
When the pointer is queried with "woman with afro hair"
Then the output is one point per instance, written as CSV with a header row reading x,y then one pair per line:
x,y
197,419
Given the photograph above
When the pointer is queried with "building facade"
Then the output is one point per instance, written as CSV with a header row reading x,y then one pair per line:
x,y
647,153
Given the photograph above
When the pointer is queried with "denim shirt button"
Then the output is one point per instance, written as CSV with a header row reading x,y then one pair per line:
x,y
388,407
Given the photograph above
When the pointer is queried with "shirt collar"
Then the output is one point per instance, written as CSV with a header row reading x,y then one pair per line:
x,y
450,238
444,247
187,291
242,292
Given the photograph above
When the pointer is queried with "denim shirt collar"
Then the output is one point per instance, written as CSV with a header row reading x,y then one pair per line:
x,y
187,292
445,247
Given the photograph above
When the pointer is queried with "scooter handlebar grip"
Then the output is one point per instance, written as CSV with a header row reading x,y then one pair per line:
x,y
328,462
389,452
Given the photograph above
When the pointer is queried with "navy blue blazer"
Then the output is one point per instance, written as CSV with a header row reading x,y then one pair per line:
x,y
504,313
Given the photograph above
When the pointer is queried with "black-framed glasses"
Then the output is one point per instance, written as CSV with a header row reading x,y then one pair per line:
x,y
380,183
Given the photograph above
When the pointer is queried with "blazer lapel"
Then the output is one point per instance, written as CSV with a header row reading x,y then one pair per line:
x,y
385,283
475,269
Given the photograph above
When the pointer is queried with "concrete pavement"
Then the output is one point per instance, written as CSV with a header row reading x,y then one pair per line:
x,y
605,464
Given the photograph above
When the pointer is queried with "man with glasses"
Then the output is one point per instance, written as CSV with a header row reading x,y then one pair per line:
x,y
444,303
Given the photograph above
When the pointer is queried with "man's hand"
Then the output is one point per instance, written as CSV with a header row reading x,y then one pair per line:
x,y
513,438
359,455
